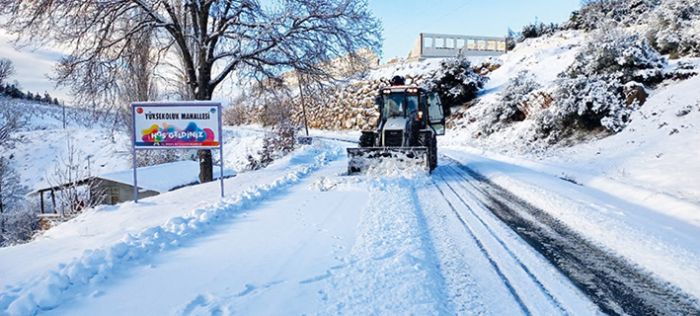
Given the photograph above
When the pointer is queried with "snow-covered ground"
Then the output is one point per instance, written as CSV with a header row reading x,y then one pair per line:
x,y
102,242
302,237
298,236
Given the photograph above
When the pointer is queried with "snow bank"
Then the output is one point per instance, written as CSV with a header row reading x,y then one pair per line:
x,y
93,266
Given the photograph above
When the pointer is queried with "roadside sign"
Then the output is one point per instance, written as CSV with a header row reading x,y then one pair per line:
x,y
176,125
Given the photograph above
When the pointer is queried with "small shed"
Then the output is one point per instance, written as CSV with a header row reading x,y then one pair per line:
x,y
117,187
153,180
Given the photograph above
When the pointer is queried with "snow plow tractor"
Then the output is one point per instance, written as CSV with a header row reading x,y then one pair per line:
x,y
410,120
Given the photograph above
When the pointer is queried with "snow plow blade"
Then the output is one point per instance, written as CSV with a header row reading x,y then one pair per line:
x,y
362,158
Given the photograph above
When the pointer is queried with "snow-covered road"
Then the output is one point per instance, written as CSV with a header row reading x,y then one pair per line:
x,y
304,238
613,283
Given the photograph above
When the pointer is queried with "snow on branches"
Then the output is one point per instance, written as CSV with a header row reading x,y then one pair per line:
x,y
592,93
619,55
595,13
514,103
456,82
17,221
674,27
587,103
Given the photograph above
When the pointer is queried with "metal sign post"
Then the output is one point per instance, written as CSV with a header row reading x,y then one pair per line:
x,y
133,152
177,125
221,152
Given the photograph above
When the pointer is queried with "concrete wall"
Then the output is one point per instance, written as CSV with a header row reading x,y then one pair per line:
x,y
430,45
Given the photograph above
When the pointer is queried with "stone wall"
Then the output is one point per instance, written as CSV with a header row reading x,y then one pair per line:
x,y
349,107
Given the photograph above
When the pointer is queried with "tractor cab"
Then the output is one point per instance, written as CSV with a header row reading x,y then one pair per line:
x,y
412,104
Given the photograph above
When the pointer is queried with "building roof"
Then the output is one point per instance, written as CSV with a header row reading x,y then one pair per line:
x,y
164,177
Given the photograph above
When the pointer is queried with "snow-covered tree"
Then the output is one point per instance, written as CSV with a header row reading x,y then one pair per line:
x,y
536,30
596,13
584,103
456,82
513,105
11,118
514,95
675,27
78,190
17,220
620,55
7,69
213,40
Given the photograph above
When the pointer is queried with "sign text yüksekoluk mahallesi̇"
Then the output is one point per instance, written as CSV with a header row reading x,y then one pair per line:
x,y
177,116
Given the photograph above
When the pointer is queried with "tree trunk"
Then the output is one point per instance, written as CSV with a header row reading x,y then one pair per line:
x,y
206,166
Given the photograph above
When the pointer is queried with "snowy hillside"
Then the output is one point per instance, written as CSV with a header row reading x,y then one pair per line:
x,y
644,159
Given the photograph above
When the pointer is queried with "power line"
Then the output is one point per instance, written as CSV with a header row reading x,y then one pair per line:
x,y
446,14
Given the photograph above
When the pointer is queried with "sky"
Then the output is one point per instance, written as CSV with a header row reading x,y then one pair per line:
x,y
402,22
32,67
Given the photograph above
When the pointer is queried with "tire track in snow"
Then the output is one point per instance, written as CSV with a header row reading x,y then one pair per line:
x,y
58,285
615,285
506,282
393,268
552,299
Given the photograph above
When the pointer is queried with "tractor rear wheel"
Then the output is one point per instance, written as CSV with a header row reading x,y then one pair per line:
x,y
430,141
433,154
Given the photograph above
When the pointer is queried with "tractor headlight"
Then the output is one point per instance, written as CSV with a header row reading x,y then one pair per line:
x,y
412,90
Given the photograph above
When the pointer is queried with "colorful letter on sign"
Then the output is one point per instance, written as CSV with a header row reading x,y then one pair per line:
x,y
177,125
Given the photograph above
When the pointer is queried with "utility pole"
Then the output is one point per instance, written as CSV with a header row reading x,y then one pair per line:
x,y
2,210
64,114
303,105
88,166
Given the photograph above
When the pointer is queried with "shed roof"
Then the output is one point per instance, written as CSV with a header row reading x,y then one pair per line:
x,y
162,178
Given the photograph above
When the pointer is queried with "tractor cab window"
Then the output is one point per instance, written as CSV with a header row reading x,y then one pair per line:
x,y
412,104
398,105
436,115
393,105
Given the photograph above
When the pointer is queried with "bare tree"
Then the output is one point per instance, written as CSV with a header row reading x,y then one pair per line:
x,y
213,39
17,221
11,118
136,81
77,189
7,69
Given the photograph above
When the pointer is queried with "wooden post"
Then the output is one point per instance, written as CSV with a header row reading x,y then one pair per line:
x,y
41,197
53,201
